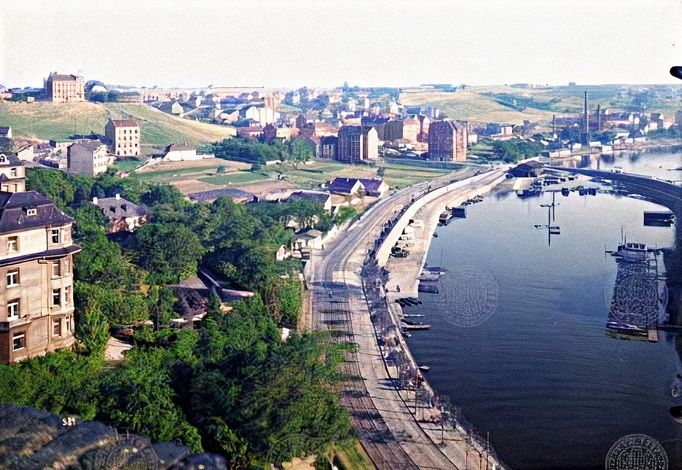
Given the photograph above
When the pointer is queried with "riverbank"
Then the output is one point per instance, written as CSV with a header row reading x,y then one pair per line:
x,y
403,274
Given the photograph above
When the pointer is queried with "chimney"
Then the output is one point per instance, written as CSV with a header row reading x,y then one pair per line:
x,y
118,197
94,200
586,125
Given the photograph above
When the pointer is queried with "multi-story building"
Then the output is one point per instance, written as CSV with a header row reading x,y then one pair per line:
x,y
328,146
393,130
36,275
357,144
64,88
124,137
12,174
411,129
447,141
90,157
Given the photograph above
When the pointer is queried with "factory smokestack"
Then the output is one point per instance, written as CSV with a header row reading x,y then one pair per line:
x,y
586,125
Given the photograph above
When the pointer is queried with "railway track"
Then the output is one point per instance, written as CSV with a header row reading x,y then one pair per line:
x,y
331,299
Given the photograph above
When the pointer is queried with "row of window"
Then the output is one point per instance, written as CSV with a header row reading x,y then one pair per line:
x,y
57,300
13,172
130,131
19,339
14,279
13,241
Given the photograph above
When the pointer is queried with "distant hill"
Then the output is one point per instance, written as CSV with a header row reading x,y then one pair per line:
x,y
512,105
42,120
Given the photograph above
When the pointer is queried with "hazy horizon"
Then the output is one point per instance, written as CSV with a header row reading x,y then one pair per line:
x,y
380,43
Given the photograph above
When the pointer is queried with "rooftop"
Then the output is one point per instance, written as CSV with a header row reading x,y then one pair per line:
x,y
125,123
14,212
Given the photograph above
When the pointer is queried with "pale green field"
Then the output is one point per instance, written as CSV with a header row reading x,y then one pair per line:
x,y
44,121
235,178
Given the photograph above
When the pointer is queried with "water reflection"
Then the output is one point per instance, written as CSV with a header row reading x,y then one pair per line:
x,y
640,296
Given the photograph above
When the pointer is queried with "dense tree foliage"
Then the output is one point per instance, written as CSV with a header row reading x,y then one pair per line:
x,y
514,150
169,252
231,386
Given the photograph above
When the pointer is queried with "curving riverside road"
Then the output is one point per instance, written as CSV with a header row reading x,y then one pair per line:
x,y
388,430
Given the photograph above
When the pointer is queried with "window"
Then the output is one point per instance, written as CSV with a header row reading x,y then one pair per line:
x,y
32,211
66,265
56,269
68,323
13,172
67,295
54,235
56,297
13,310
12,244
57,327
18,341
13,278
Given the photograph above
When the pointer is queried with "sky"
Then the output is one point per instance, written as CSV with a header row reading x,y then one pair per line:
x,y
292,43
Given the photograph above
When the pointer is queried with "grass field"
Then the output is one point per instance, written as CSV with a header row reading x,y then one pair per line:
x,y
42,120
127,165
237,177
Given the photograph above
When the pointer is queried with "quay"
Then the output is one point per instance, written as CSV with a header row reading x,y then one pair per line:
x,y
398,428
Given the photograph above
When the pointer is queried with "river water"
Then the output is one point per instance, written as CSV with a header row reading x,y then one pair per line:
x,y
533,365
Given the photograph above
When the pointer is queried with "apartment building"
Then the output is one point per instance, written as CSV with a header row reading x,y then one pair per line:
x,y
124,137
357,144
61,88
36,275
447,141
12,174
88,158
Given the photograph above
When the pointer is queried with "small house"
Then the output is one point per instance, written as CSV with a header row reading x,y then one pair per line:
x,y
307,239
375,187
346,186
121,214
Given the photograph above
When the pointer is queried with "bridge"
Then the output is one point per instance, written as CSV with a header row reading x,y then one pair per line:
x,y
660,191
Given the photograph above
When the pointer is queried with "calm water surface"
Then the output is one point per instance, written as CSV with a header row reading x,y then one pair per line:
x,y
540,374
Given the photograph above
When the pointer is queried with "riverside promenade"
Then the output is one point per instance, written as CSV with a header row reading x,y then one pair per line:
x,y
396,430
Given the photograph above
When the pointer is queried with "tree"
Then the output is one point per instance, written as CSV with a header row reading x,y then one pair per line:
x,y
283,300
221,169
346,213
300,151
92,329
163,194
139,396
169,252
101,262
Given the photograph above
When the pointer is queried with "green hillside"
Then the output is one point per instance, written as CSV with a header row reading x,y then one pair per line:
x,y
46,121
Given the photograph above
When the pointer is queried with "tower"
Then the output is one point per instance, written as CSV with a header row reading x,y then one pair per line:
x,y
586,125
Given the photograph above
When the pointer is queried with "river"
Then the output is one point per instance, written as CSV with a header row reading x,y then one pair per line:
x,y
533,365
